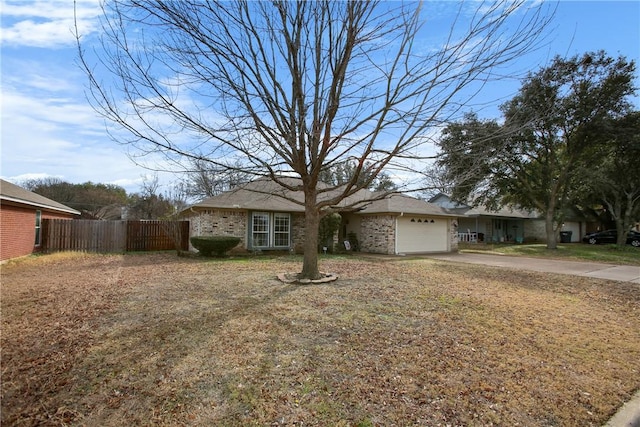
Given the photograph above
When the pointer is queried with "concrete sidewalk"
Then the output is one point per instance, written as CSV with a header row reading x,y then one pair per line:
x,y
628,415
622,273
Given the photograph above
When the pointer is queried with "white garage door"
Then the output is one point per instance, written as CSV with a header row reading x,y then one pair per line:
x,y
419,234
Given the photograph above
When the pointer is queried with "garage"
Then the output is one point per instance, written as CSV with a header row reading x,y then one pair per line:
x,y
417,234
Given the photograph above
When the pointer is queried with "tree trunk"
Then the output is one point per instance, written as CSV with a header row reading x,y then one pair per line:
x,y
615,209
621,238
552,241
621,234
311,224
627,218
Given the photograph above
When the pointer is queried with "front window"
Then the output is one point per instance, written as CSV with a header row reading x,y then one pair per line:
x,y
260,229
270,230
38,227
281,230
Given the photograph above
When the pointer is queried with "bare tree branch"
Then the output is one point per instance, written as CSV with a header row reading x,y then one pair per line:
x,y
293,88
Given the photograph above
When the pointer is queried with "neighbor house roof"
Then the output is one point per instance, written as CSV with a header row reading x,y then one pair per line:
x,y
461,209
505,212
12,193
400,203
267,195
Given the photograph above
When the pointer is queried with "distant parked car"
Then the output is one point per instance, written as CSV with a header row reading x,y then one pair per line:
x,y
610,236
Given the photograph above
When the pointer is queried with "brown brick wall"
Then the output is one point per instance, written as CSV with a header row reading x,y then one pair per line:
x,y
18,228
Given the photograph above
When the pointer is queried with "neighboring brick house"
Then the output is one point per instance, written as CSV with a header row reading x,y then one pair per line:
x,y
21,215
267,217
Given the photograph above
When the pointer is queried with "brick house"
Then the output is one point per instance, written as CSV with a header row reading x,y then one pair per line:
x,y
21,215
266,216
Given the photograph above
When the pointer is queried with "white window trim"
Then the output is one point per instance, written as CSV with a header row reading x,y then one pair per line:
x,y
254,215
38,236
271,233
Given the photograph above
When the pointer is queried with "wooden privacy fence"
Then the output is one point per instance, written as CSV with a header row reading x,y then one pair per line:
x,y
157,235
113,236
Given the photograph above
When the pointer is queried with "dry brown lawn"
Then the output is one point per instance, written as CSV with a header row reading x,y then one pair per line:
x,y
155,339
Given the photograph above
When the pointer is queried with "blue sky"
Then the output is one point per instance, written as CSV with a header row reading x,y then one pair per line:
x,y
48,128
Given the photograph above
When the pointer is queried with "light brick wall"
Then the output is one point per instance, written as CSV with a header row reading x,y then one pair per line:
x,y
227,222
377,234
534,231
18,230
297,232
219,222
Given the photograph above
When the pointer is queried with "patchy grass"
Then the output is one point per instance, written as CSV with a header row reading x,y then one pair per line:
x,y
611,254
155,339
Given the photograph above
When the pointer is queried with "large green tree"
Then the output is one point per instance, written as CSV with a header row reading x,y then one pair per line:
x,y
550,127
277,89
469,155
614,173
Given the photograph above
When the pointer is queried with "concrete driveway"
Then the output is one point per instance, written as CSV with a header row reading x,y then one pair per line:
x,y
623,273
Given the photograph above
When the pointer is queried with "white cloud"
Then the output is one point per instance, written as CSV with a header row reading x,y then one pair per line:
x,y
18,179
44,135
31,77
44,113
46,23
48,135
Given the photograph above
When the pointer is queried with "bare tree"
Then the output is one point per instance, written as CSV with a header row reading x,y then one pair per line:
x,y
207,180
342,173
281,89
149,203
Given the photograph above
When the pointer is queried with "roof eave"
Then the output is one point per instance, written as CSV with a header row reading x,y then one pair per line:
x,y
39,205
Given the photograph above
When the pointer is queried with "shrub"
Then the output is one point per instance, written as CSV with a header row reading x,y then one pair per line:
x,y
214,245
328,226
